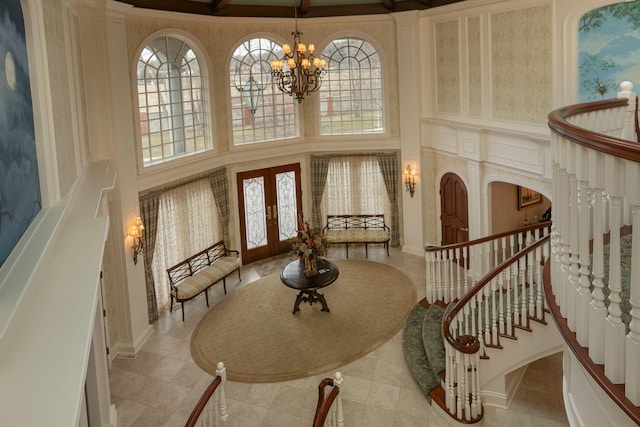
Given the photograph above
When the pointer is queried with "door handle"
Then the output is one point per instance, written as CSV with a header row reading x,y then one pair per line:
x,y
269,213
275,212
465,229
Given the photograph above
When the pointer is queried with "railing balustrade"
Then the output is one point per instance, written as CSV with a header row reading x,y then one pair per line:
x,y
210,412
595,203
329,412
507,297
453,269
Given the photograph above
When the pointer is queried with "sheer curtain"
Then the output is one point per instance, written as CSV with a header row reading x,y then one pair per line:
x,y
355,185
188,222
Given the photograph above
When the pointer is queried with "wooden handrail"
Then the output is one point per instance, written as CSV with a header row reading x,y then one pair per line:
x,y
322,409
617,147
202,403
538,225
470,346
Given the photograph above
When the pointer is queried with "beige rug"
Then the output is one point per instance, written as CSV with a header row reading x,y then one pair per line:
x,y
259,340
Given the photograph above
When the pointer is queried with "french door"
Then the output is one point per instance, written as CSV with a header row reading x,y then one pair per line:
x,y
270,200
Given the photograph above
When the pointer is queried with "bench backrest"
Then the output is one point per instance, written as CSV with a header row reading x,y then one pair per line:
x,y
346,222
196,262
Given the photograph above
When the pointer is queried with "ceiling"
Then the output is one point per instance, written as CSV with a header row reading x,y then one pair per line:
x,y
286,8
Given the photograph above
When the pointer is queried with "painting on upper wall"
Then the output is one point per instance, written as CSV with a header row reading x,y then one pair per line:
x,y
608,50
527,198
20,198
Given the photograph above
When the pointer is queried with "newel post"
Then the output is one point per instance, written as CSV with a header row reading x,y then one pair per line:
x,y
629,126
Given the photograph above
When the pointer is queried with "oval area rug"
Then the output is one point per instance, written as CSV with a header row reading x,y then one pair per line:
x,y
259,340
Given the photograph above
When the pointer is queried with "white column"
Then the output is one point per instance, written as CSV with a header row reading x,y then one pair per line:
x,y
409,78
133,324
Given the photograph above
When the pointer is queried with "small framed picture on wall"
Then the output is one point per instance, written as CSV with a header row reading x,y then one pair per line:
x,y
528,198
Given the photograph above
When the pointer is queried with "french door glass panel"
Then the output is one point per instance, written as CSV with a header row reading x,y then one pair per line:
x,y
287,205
255,212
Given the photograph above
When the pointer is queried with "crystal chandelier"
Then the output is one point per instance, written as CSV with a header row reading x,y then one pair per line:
x,y
304,71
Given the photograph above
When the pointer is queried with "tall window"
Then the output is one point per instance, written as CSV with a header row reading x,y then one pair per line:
x,y
351,98
259,111
188,222
171,101
355,186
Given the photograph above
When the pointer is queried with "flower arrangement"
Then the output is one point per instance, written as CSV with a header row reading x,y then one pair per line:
x,y
308,246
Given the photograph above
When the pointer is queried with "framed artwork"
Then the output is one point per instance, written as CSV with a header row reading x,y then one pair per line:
x,y
528,198
20,199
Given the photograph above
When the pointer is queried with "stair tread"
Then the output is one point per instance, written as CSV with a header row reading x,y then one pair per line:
x,y
414,352
432,338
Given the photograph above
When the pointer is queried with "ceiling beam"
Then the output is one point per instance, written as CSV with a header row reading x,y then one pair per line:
x,y
305,9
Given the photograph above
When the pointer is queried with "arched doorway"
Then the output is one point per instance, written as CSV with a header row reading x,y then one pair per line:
x,y
454,217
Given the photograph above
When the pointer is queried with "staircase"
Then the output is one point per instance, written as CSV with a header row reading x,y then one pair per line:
x,y
492,288
464,322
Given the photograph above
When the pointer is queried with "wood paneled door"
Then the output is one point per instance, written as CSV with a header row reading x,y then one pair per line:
x,y
269,201
454,210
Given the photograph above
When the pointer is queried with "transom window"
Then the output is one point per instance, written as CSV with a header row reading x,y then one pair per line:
x,y
171,101
351,97
259,111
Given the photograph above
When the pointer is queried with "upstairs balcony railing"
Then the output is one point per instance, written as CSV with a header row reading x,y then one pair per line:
x,y
595,259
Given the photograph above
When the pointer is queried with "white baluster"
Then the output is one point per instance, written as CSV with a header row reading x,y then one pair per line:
x,y
459,272
338,410
574,271
524,320
564,242
508,276
583,297
632,383
221,370
598,312
614,329
502,326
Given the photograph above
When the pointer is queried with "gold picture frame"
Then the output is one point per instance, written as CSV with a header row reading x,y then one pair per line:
x,y
528,198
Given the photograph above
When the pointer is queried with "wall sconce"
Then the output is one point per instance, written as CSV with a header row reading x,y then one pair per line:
x,y
136,234
410,179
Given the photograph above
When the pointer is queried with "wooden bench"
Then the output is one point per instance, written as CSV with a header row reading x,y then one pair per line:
x,y
199,272
361,229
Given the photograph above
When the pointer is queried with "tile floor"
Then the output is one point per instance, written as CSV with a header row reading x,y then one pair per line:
x,y
160,386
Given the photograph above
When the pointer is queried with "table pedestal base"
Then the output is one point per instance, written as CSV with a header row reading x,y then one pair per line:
x,y
310,297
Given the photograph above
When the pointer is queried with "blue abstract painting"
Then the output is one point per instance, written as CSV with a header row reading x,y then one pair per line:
x,y
609,50
20,198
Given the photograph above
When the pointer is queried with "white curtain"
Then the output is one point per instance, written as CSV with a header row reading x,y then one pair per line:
x,y
355,186
187,223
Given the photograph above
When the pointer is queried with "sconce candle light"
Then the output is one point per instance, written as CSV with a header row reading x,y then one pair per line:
x,y
136,234
410,179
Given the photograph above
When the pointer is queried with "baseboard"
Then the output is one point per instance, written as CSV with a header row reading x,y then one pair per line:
x,y
131,349
510,382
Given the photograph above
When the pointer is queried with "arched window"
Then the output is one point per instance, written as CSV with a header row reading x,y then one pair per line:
x,y
351,98
171,99
259,111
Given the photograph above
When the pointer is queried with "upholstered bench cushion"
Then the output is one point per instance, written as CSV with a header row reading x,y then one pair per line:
x,y
193,285
356,235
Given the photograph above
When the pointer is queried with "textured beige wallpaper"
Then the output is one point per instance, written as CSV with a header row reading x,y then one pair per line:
x,y
474,58
448,67
220,39
521,64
